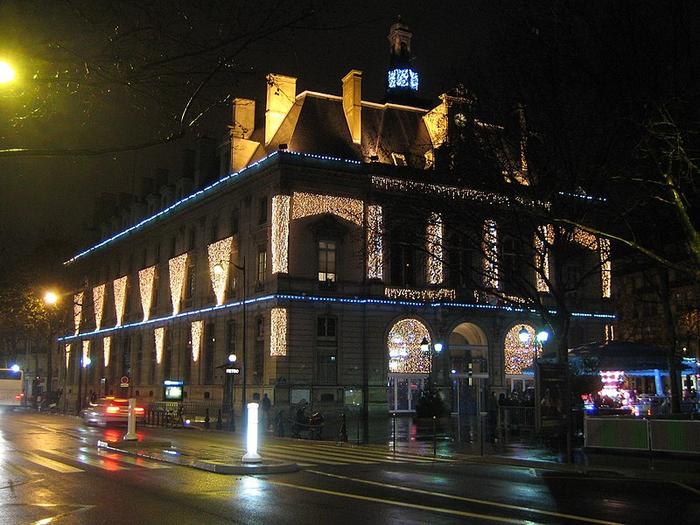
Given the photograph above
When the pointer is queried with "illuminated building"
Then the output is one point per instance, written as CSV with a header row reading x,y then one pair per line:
x,y
338,301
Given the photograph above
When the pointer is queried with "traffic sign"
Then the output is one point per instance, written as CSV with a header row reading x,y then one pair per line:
x,y
233,370
124,382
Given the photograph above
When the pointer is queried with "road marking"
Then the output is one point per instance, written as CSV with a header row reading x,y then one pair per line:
x,y
115,456
382,457
49,463
320,455
14,468
82,457
470,500
440,510
424,457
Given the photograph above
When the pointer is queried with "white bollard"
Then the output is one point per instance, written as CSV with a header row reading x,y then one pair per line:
x,y
131,425
251,455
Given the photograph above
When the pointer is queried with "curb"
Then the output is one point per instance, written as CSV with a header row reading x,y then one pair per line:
x,y
246,468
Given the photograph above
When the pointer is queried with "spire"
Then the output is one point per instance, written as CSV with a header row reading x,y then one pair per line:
x,y
402,79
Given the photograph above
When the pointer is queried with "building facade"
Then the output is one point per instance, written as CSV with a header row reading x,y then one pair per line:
x,y
296,260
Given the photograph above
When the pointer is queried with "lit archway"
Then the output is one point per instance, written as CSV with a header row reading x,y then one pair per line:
x,y
468,349
404,347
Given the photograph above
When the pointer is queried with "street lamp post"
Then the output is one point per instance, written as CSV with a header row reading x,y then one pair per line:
x,y
435,349
218,268
50,300
84,363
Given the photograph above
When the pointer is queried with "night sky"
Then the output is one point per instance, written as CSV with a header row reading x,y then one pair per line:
x,y
618,51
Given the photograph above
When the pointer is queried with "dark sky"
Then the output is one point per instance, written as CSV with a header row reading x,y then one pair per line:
x,y
481,43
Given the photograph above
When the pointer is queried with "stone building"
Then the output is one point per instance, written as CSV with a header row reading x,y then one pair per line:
x,y
293,261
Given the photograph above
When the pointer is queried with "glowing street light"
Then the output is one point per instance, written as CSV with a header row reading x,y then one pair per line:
x,y
50,298
524,335
15,368
7,72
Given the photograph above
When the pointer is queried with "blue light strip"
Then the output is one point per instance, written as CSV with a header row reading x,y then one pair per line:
x,y
318,298
199,193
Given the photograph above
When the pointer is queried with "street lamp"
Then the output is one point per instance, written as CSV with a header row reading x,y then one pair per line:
x,y
524,335
219,270
7,72
425,347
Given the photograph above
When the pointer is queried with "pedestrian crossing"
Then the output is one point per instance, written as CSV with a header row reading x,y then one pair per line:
x,y
314,454
17,464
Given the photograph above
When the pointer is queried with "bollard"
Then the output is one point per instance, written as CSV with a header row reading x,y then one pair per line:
x,y
219,423
251,455
131,425
206,418
434,436
393,415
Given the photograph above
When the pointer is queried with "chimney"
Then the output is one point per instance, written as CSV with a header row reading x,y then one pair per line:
x,y
243,121
352,103
281,94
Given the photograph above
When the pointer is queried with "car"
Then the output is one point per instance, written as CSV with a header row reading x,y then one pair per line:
x,y
110,410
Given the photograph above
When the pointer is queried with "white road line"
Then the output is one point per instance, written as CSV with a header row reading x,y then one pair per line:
x,y
49,463
82,457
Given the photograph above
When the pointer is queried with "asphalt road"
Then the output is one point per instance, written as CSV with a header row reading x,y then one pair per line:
x,y
52,473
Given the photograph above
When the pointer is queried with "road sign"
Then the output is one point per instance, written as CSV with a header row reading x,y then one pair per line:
x,y
124,382
233,370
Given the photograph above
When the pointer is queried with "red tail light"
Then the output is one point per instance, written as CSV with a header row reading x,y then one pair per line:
x,y
111,409
18,397
138,410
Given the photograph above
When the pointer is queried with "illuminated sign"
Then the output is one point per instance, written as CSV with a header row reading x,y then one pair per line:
x,y
174,390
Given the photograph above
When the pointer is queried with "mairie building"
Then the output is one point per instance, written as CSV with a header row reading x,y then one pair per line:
x,y
289,260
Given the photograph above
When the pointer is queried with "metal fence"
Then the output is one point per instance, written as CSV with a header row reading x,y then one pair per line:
x,y
516,423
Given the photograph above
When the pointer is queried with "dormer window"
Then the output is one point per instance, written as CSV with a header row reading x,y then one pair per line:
x,y
326,261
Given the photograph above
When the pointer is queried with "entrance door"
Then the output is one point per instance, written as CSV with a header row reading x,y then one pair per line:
x,y
404,390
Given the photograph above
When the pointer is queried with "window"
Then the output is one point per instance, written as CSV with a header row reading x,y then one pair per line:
x,y
326,261
325,327
139,359
154,300
402,265
261,266
208,357
259,329
126,357
192,239
191,283
262,215
173,246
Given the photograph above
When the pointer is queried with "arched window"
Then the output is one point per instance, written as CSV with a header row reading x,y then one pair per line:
x,y
404,345
518,356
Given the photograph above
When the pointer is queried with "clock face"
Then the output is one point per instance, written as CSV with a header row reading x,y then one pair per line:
x,y
460,120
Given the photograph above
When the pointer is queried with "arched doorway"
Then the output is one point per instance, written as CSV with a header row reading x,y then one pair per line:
x,y
409,366
519,359
469,370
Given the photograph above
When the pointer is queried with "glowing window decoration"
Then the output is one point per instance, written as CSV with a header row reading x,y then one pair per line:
x,y
177,267
98,304
86,352
519,356
375,248
219,253
68,348
403,343
542,256
278,332
197,333
307,204
403,78
159,335
106,349
78,310
146,280
585,239
120,298
605,267
612,381
490,247
420,295
280,233
434,233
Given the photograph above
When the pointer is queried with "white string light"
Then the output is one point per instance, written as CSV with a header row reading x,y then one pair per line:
x,y
106,349
146,280
605,267
518,356
308,204
120,298
68,348
98,304
404,346
159,335
219,254
86,352
278,332
545,232
434,234
176,270
420,295
375,235
197,332
490,247
280,233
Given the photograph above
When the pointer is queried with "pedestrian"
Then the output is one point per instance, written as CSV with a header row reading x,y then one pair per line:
x,y
266,405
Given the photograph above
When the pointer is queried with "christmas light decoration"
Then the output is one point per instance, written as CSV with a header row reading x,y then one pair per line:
x,y
280,233
205,192
159,335
219,254
490,247
176,269
519,356
308,204
273,298
86,352
434,233
146,280
278,332
375,248
106,349
612,381
404,345
605,267
98,304
197,332
120,298
403,78
420,295
68,348
542,255
78,310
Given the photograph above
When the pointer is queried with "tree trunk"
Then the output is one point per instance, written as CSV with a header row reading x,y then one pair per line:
x,y
671,340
